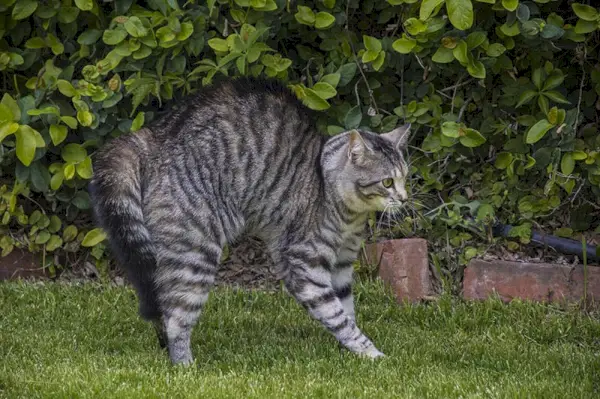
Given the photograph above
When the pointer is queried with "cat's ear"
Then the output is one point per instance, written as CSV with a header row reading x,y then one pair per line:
x,y
357,148
399,136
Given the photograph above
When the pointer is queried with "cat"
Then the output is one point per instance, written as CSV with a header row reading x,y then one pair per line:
x,y
243,156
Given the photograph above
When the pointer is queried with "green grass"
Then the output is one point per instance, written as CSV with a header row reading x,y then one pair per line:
x,y
60,341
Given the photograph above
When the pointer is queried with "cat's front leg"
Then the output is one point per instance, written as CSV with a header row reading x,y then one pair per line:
x,y
310,282
342,276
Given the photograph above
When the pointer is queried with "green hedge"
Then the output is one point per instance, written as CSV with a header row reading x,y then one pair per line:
x,y
503,95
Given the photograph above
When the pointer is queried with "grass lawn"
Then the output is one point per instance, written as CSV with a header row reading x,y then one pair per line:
x,y
71,341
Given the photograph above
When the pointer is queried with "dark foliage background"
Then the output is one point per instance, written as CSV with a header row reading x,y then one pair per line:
x,y
502,94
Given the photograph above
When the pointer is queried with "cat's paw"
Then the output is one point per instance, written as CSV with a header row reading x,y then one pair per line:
x,y
373,353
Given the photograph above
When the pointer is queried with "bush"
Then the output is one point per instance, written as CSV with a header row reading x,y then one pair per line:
x,y
503,95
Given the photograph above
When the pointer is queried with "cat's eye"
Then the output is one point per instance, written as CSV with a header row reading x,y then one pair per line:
x,y
387,183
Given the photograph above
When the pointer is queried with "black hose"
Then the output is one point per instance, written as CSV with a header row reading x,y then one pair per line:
x,y
562,245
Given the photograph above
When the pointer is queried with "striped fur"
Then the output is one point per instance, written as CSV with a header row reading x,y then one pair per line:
x,y
243,157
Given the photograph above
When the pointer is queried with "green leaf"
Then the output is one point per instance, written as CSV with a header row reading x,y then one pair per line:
x,y
42,237
543,104
443,55
55,224
54,243
81,200
472,138
582,27
369,56
523,12
324,20
476,69
460,13
35,43
372,44
69,121
538,131
7,128
378,62
551,31
26,144
427,8
475,39
24,8
503,160
57,180
353,118
218,44
510,5
44,111
89,37
525,97
84,168
585,12
305,16
324,90
495,50
85,118
556,97
73,153
579,155
567,164
537,78
415,26
460,52
69,171
135,28
6,114
510,30
93,237
114,36
58,134
138,122
404,45
451,129
314,101
186,31
69,233
347,73
84,5
333,79
66,88
12,105
554,80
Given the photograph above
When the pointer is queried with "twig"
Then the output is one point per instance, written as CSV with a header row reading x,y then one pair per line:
x,y
371,97
574,196
441,93
580,88
592,204
373,103
463,108
457,85
398,24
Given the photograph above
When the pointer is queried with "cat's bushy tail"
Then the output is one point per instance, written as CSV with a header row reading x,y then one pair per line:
x,y
116,192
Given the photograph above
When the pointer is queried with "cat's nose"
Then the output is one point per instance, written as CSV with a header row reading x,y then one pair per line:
x,y
402,195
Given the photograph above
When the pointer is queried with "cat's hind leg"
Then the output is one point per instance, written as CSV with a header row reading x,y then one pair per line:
x,y
185,275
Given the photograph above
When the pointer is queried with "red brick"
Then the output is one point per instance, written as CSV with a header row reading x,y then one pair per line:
x,y
20,264
532,281
404,266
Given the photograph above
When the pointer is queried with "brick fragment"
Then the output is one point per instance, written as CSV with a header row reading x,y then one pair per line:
x,y
404,266
541,282
20,264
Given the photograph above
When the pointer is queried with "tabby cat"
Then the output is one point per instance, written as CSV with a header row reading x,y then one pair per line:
x,y
243,156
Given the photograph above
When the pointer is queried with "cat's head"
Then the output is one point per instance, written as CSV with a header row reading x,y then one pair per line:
x,y
367,170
